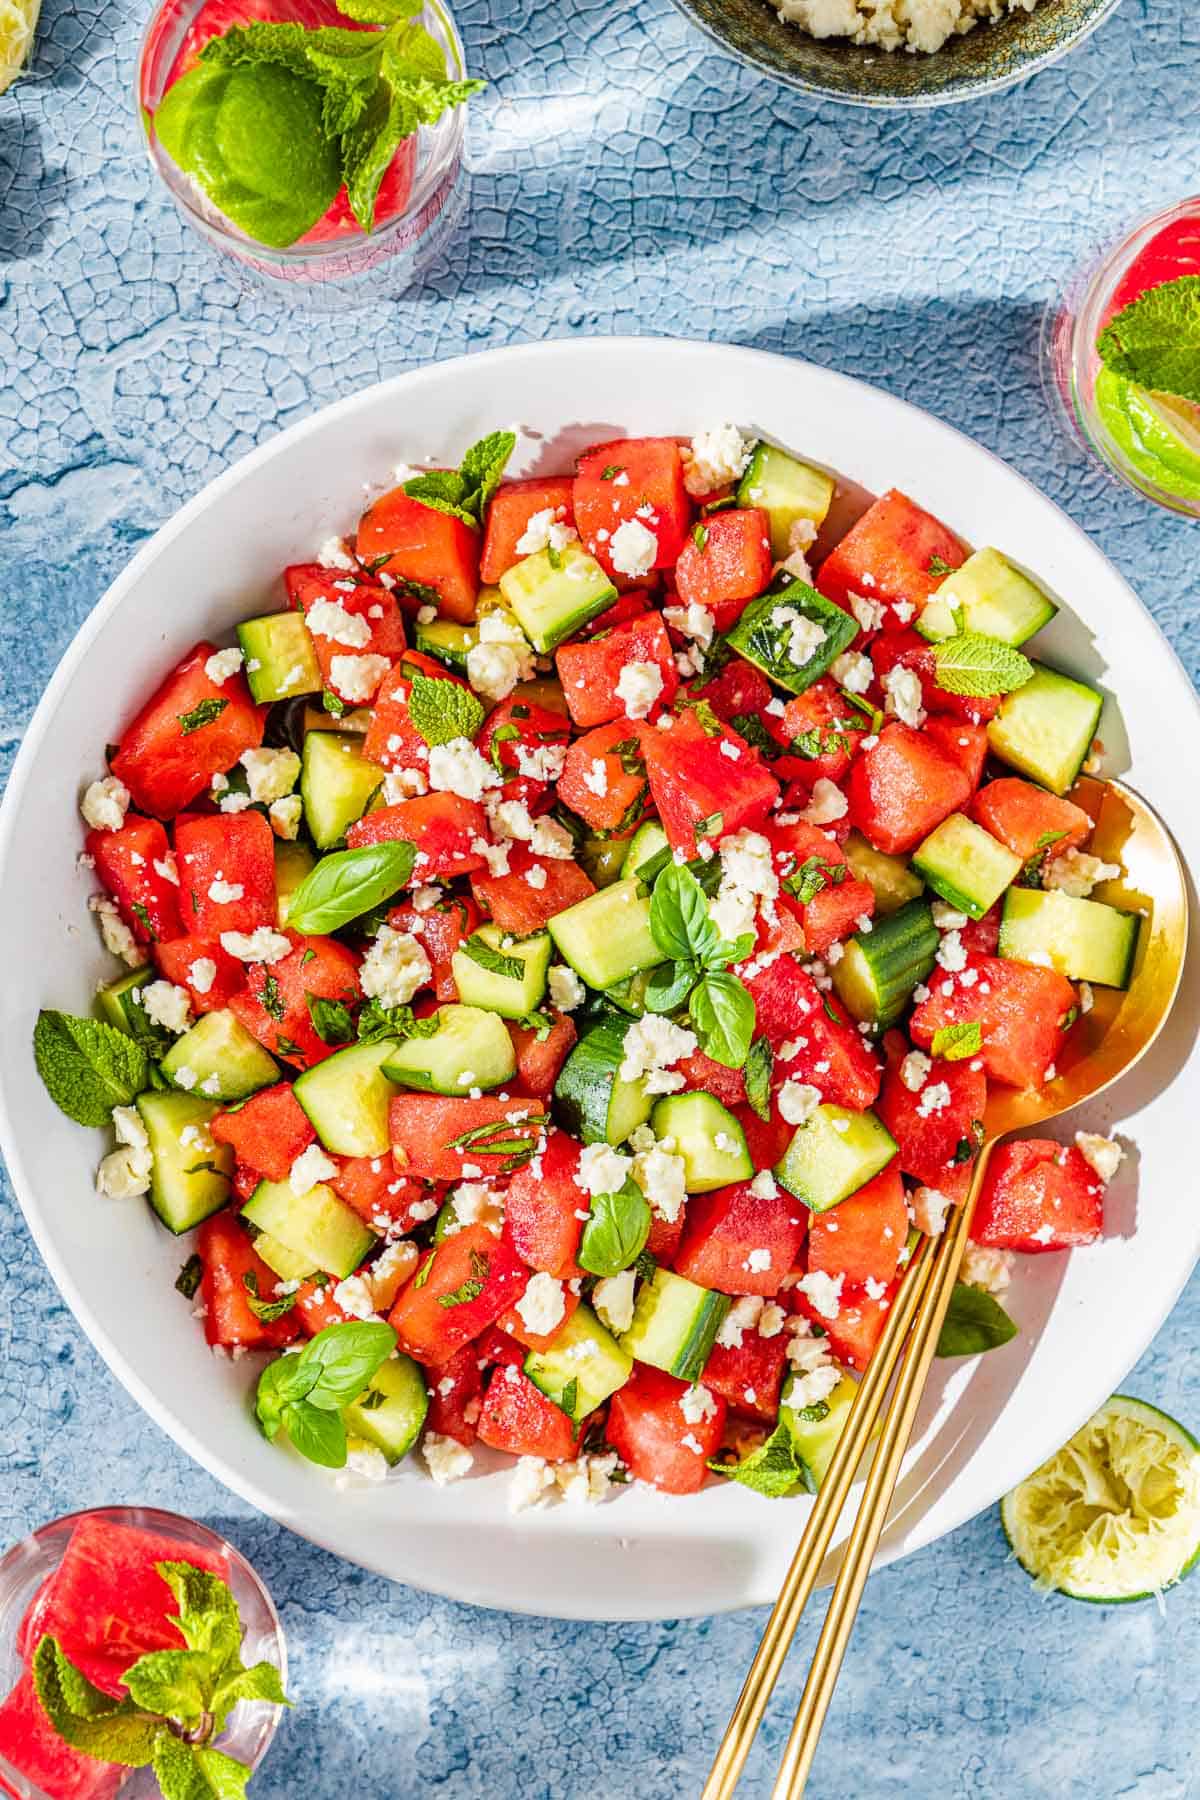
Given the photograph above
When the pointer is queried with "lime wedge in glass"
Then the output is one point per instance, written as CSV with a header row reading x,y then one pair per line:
x,y
18,21
1115,1515
1126,410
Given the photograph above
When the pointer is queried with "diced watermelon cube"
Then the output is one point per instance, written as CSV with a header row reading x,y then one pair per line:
x,y
740,1242
434,1137
749,1377
541,1214
130,863
1028,819
701,791
701,1075
907,650
902,788
230,1262
963,743
1020,1011
308,584
432,1332
513,505
279,1015
859,1324
268,1131
32,1747
178,958
739,691
862,1238
1038,1195
938,1143
726,562
511,1321
226,865
178,742
896,551
604,777
515,904
590,671
823,1048
633,479
818,731
454,1398
392,739
655,1440
540,1055
518,1418
420,545
441,929
444,827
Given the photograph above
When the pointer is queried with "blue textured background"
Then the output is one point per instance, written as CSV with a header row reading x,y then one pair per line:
x,y
625,178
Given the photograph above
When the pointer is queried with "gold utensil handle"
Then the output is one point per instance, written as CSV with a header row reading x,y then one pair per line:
x,y
819,1528
876,1500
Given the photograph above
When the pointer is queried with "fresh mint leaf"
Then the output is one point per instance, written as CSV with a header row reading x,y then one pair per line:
x,y
509,968
376,1021
669,985
201,715
207,1618
760,1063
112,1732
196,1771
616,1231
814,873
266,1310
1155,340
956,1042
974,1322
443,710
679,921
722,1012
539,1022
348,883
463,492
88,1067
978,666
773,1470
485,462
260,1682
330,1019
441,489
175,1683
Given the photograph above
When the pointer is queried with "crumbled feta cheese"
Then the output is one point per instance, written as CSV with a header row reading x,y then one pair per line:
x,y
764,1186
270,774
869,613
535,875
542,1306
935,1097
853,671
168,1005
357,678
757,1262
613,1300
202,974
329,619
742,1316
602,1170
224,893
986,1268
802,535
458,768
813,1386
530,1481
696,1404
566,989
902,690
595,778
652,1044
222,664
332,555
1076,873
929,1209
125,1172
105,804
662,1177
446,1459
952,953
633,549
692,621
475,1203
748,881
118,939
260,946
638,687
824,1291
714,459
826,805
352,1294
915,1070
805,636
1104,1154
947,917
394,967
771,1320
309,1168
285,816
798,1101
587,1480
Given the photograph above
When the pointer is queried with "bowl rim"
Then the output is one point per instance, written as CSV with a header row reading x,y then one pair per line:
x,y
908,1530
957,95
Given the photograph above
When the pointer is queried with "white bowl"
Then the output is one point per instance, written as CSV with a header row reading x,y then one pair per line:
x,y
1085,1318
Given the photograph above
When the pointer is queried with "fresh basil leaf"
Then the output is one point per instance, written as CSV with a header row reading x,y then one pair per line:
x,y
760,1063
723,1015
773,1470
88,1067
201,715
974,1322
330,1019
679,921
176,1683
616,1231
669,985
956,1042
317,1432
348,883
442,710
284,1380
511,968
724,952
347,1356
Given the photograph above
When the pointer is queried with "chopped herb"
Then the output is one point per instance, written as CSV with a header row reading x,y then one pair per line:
x,y
266,1310
1035,866
629,754
608,473
814,874
424,1272
553,557
708,720
143,917
711,826
469,1290
750,727
510,968
330,1019
286,1046
372,1400
190,1276
201,715
938,566
569,1398
760,1062
503,734
700,536
333,705
956,1042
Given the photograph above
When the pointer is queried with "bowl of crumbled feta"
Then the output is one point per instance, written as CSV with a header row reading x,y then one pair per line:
x,y
461,1520
897,52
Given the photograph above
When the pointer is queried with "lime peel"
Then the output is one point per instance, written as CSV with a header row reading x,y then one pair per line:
x,y
1115,1514
18,22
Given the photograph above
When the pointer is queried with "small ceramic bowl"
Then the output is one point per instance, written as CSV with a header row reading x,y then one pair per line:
x,y
983,61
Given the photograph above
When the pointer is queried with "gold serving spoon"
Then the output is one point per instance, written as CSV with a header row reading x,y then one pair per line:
x,y
1102,1046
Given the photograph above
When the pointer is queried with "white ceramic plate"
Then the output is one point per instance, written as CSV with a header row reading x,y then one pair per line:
x,y
1085,1318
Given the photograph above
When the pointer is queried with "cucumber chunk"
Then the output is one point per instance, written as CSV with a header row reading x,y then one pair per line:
x,y
786,490
966,865
602,859
336,784
675,1324
986,594
880,968
391,1411
594,1103
607,936
583,1366
280,659
447,642
763,635
553,599
469,1049
289,1265
1045,729
833,1154
649,850
889,877
708,1138
815,1439
190,1177
502,973
119,1003
346,1098
1085,940
219,1058
294,863
317,1226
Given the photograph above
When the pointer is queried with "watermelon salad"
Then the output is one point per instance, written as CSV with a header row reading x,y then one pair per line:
x,y
577,923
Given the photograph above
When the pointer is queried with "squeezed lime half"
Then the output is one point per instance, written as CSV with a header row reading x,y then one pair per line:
x,y
1115,1514
1153,432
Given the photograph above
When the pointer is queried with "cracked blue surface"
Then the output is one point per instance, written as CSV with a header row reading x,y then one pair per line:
x,y
625,178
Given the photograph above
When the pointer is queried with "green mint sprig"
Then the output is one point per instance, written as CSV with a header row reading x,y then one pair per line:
x,y
979,666
88,1067
442,710
1155,340
376,1021
179,1701
954,1043
465,492
773,1470
719,1007
304,1394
